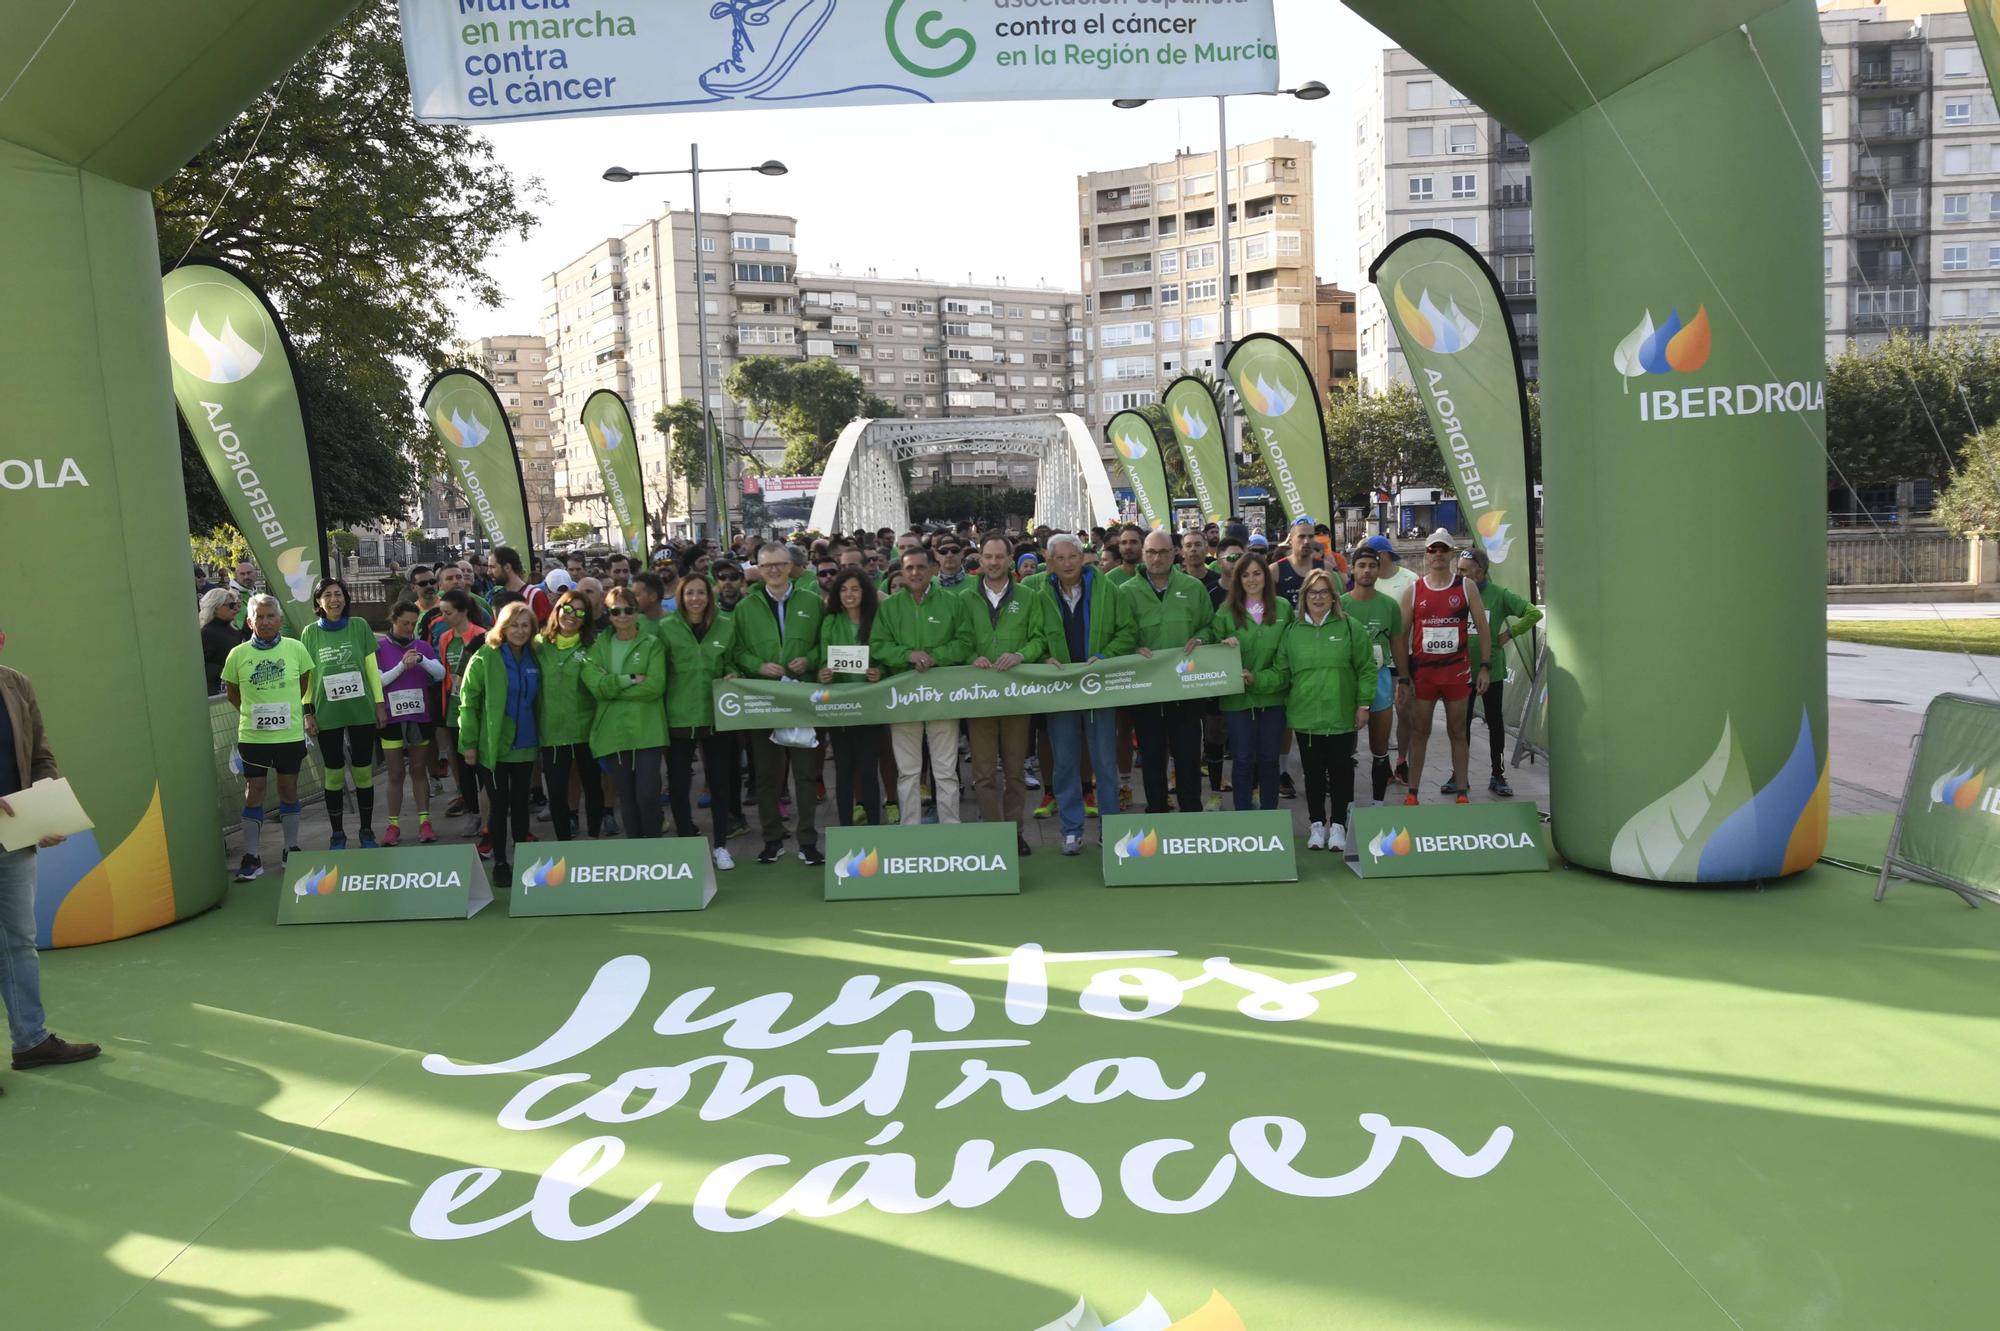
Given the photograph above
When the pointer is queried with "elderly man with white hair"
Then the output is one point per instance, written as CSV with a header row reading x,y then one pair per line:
x,y
1084,619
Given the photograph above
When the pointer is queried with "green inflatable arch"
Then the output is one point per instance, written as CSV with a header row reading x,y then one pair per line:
x,y
1681,373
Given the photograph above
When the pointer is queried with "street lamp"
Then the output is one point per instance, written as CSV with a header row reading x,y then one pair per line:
x,y
1305,92
618,175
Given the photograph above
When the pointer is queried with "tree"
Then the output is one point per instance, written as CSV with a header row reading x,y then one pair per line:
x,y
1904,410
807,402
680,422
1381,440
360,223
343,542
1971,502
569,531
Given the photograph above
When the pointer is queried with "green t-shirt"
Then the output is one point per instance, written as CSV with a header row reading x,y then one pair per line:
x,y
621,652
1384,617
267,679
346,682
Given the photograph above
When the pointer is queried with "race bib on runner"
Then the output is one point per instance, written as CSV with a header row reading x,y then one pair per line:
x,y
847,660
270,716
1379,662
344,687
405,702
1437,641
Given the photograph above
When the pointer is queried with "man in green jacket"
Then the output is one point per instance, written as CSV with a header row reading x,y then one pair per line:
x,y
777,626
1083,619
1509,616
1007,629
919,627
1173,614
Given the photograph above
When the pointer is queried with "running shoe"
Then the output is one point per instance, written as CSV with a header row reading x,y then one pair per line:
x,y
740,827
1410,798
811,855
703,802
1031,781
773,852
251,869
1336,837
392,835
486,847
760,60
1047,808
1450,787
1090,808
338,841
426,833
1316,838
1498,787
892,812
368,841
610,824
455,809
1072,845
723,860
1286,790
1402,775
1463,799
1022,847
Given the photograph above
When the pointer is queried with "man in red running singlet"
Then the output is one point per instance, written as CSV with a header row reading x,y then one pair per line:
x,y
1436,609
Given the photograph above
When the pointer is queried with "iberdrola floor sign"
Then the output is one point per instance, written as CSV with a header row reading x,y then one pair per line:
x,y
1215,1315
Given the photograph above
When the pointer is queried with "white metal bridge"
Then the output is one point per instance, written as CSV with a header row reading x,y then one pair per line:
x,y
863,487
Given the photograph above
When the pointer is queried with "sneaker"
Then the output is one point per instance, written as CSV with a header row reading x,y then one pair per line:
x,y
1022,847
1316,838
1072,845
1124,798
1047,808
1499,788
773,852
1402,774
392,835
52,1052
1450,787
338,841
892,812
485,847
1410,798
542,814
703,802
290,851
1336,837
611,824
759,60
811,855
1286,790
368,841
250,870
736,829
1214,804
1463,799
474,826
426,833
455,809
723,860
1031,781
538,799
1090,809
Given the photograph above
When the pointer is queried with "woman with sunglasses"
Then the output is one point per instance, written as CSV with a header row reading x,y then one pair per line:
x,y
700,642
847,621
1253,619
347,708
627,674
568,709
219,634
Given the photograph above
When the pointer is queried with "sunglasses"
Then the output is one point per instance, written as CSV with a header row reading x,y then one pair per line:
x,y
621,612
574,612
427,582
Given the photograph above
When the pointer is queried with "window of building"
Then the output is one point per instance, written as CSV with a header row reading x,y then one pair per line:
x,y
1257,247
1464,187
1826,120
1826,259
1825,72
1170,261
1825,215
1956,258
1465,228
1200,256
1952,303
1127,335
1417,94
1116,368
708,244
1201,328
1958,110
1958,62
1204,289
1421,140
1422,188
1993,256
1464,139
763,272
1170,293
1957,161
1826,167
1957,207
762,241
1199,185
1170,331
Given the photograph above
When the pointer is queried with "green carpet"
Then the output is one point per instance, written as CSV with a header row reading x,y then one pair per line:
x,y
1756,1108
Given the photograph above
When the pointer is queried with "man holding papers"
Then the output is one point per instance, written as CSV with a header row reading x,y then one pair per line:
x,y
24,760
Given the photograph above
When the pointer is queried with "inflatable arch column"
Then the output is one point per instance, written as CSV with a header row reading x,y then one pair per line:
x,y
99,608
1675,151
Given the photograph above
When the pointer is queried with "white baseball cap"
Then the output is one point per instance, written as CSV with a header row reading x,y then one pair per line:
x,y
558,581
1441,537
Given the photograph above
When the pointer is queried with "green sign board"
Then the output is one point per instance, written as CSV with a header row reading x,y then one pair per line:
x,y
1948,830
1138,450
928,860
1152,850
612,877
479,451
1190,404
1393,841
951,692
1283,407
404,883
615,445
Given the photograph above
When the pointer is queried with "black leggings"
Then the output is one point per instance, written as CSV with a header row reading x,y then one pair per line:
x,y
557,764
856,776
1496,726
510,783
1329,764
635,774
341,747
718,758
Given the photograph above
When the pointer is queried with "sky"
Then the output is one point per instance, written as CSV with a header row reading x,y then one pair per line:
x,y
987,189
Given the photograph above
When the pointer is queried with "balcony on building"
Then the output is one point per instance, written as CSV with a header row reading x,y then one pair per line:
x,y
1124,238
1511,144
1896,124
1123,199
1873,172
1889,67
1876,220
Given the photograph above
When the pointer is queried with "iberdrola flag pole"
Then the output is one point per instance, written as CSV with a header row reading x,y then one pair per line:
x,y
1138,450
466,413
236,382
1190,404
1283,405
608,422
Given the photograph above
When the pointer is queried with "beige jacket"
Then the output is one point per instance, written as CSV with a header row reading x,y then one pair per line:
x,y
31,741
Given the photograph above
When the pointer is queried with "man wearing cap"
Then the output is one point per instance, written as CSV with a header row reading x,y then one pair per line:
x,y
1438,610
1302,558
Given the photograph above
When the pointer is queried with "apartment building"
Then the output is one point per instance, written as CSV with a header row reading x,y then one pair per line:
x,y
1335,320
515,364
623,316
935,350
1150,242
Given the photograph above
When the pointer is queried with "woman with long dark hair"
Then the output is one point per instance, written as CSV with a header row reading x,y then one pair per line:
x,y
568,708
700,642
1253,618
847,621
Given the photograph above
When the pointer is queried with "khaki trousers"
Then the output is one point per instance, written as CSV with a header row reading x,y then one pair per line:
x,y
908,739
1000,741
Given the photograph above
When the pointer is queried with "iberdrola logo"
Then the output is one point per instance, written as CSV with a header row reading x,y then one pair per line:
x,y
297,571
545,873
1268,399
605,435
818,696
1493,535
1190,425
316,882
460,432
1128,448
1185,666
1389,841
1668,348
1445,331
858,864
219,358
1958,789
1136,845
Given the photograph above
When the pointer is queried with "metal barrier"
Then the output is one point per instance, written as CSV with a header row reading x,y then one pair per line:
x,y
1899,557
222,725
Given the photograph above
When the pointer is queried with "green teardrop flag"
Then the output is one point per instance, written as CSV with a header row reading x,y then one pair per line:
x,y
234,383
1198,429
463,408
1138,450
1985,16
609,424
1453,327
1282,402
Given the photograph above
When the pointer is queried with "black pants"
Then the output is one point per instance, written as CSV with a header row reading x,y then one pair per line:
x,y
471,780
857,776
718,756
635,774
1496,727
1329,764
1170,730
557,764
511,783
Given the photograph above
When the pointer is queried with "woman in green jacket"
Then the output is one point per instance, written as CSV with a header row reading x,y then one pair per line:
x,y
700,647
1328,662
499,726
848,621
627,673
568,708
1253,619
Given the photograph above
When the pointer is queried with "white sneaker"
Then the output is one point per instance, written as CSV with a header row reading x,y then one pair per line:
x,y
1072,845
1316,839
722,858
1336,838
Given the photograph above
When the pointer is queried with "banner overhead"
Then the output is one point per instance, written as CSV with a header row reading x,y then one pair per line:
x,y
1948,829
476,60
608,423
1282,402
235,384
950,692
1452,324
466,413
1138,450
1198,430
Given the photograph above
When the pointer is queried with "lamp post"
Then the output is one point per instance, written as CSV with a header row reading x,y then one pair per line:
x,y
1305,92
711,449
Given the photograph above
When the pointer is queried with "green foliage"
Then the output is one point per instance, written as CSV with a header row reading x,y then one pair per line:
x,y
1971,502
1905,410
343,542
413,534
680,422
219,548
807,402
954,503
569,531
1380,440
360,223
